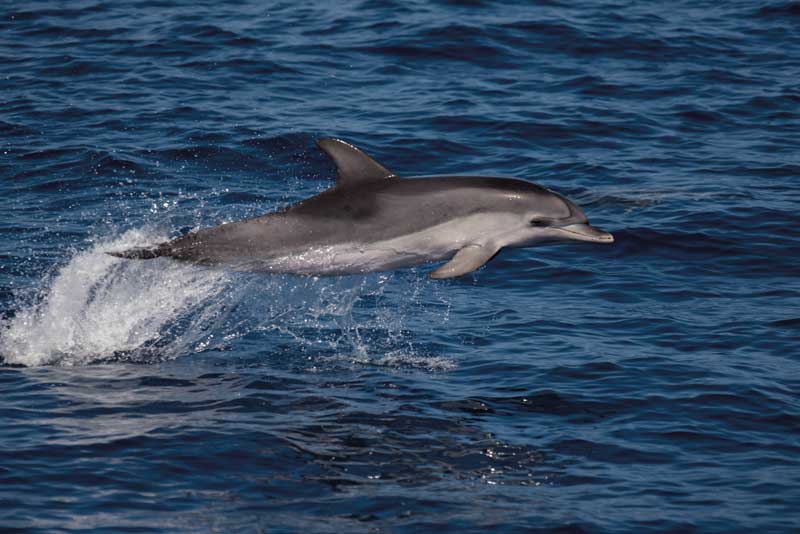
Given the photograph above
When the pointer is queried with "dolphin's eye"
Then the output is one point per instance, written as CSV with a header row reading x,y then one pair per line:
x,y
538,222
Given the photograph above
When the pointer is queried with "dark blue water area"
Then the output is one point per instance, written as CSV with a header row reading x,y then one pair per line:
x,y
651,385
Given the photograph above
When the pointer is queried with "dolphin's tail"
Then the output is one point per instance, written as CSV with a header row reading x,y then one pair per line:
x,y
140,253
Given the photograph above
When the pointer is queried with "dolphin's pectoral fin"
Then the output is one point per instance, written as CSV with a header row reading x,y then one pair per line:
x,y
353,167
465,261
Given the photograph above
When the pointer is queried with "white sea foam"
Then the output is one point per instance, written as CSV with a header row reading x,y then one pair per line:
x,y
97,305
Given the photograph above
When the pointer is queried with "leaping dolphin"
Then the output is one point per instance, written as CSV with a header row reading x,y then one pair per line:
x,y
373,220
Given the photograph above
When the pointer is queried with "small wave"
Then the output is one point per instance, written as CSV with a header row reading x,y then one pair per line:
x,y
399,360
65,13
10,129
72,68
793,323
46,30
51,153
238,66
203,31
779,11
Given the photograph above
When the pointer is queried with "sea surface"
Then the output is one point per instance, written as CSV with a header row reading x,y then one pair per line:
x,y
648,386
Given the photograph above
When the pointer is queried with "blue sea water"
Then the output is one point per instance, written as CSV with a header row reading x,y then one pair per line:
x,y
648,386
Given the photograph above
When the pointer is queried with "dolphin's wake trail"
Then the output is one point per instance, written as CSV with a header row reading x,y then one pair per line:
x,y
99,308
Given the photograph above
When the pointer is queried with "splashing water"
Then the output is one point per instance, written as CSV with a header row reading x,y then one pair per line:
x,y
99,308
97,305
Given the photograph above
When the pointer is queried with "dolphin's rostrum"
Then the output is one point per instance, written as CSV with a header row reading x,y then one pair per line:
x,y
373,220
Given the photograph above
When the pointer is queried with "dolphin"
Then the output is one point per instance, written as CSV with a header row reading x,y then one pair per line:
x,y
373,220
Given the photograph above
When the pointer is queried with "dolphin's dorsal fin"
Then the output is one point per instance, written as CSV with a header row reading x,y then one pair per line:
x,y
353,166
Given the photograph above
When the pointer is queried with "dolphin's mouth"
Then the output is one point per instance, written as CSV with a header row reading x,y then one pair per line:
x,y
586,232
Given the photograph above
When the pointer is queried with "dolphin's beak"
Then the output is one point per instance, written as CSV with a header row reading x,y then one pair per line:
x,y
586,232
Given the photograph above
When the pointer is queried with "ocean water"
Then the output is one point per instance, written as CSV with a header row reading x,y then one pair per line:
x,y
648,386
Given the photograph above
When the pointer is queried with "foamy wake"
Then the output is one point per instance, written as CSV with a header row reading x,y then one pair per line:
x,y
99,308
